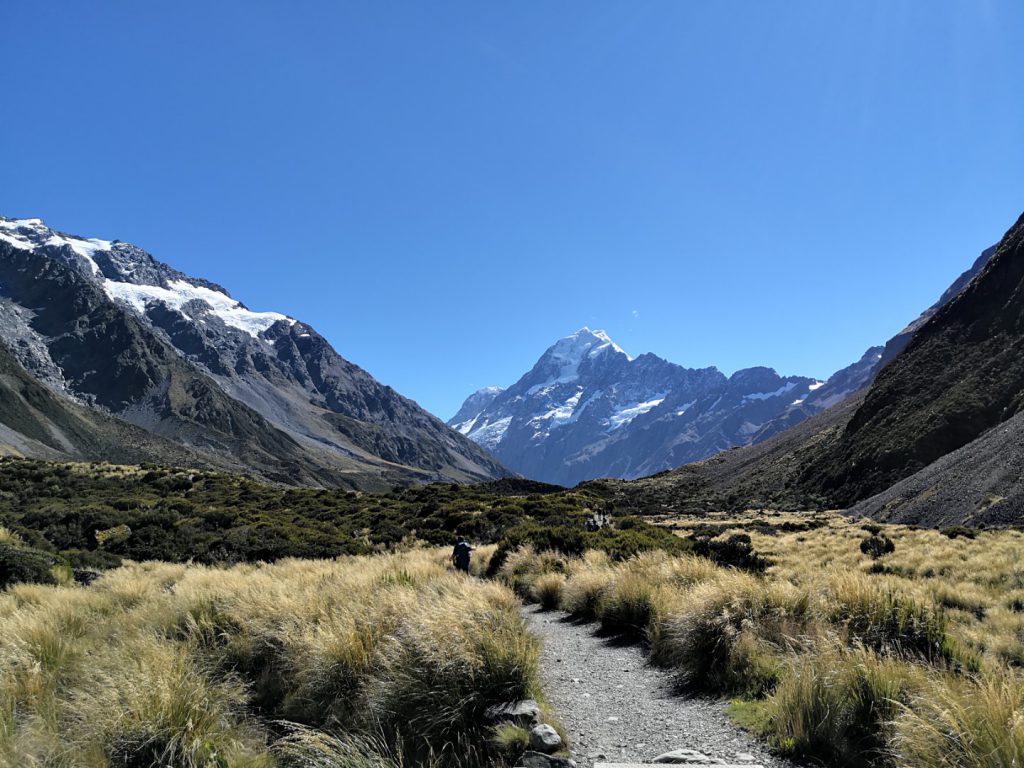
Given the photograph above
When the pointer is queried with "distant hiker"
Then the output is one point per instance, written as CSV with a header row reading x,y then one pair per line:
x,y
461,555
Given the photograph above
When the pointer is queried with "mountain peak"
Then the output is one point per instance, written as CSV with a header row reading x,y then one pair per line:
x,y
585,341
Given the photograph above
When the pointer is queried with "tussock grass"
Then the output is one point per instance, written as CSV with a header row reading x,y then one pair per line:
x,y
547,590
914,658
838,705
963,724
392,657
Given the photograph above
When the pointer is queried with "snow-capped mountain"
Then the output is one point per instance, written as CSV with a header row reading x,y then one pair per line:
x,y
103,324
587,409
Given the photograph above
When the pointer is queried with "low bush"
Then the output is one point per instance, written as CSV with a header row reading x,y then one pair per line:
x,y
23,564
736,551
876,546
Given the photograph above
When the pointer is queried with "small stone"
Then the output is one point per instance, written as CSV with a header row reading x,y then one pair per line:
x,y
544,738
687,757
525,713
613,719
538,760
745,757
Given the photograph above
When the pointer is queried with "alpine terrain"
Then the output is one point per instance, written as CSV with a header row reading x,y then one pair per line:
x,y
107,353
587,409
935,440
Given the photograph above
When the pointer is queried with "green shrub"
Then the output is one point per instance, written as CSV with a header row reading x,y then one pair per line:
x,y
24,564
877,546
959,531
737,551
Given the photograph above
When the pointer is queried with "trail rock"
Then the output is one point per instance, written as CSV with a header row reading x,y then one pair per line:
x,y
525,713
539,760
544,738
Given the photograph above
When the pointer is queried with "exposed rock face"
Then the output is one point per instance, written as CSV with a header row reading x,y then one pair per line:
x,y
588,410
935,440
105,325
961,375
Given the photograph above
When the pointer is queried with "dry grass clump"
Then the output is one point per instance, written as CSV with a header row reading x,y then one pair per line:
x,y
547,590
394,657
837,705
913,658
728,633
887,620
963,724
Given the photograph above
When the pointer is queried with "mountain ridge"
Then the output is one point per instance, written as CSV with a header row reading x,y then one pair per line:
x,y
106,325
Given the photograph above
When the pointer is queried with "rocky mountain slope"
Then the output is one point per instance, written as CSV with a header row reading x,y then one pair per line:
x,y
961,375
587,409
936,440
106,326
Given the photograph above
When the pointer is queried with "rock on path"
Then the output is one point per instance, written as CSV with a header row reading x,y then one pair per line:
x,y
617,708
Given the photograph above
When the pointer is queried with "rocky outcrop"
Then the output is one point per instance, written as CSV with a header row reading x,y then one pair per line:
x,y
106,326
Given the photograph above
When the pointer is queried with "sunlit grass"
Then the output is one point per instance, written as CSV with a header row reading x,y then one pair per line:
x,y
395,657
835,656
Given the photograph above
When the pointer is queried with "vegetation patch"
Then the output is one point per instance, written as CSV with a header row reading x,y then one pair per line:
x,y
362,661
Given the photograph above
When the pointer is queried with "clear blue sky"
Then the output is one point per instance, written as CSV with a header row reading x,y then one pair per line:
x,y
444,188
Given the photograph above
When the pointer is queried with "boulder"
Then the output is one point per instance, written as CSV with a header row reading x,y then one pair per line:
x,y
525,714
540,760
544,738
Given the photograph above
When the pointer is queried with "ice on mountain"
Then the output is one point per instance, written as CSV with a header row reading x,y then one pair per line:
x,y
625,414
489,435
766,395
180,293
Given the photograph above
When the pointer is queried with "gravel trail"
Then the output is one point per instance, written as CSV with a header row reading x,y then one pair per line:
x,y
617,707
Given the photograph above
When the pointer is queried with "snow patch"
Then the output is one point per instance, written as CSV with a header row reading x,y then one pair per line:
x,y
816,385
560,414
490,435
12,232
766,395
180,293
625,414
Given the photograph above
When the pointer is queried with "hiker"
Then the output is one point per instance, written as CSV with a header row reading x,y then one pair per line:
x,y
461,555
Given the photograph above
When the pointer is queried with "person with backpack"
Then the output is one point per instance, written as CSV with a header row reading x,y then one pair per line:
x,y
461,555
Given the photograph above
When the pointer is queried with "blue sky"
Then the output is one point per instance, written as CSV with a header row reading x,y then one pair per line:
x,y
445,188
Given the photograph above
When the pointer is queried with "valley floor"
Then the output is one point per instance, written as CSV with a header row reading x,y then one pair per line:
x,y
616,707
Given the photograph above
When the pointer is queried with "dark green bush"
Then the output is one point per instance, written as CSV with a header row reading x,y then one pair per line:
x,y
23,564
737,551
877,546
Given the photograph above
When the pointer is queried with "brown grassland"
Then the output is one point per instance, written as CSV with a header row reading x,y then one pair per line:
x,y
911,658
376,661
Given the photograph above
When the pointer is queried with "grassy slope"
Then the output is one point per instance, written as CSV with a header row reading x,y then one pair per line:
x,y
909,660
362,662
